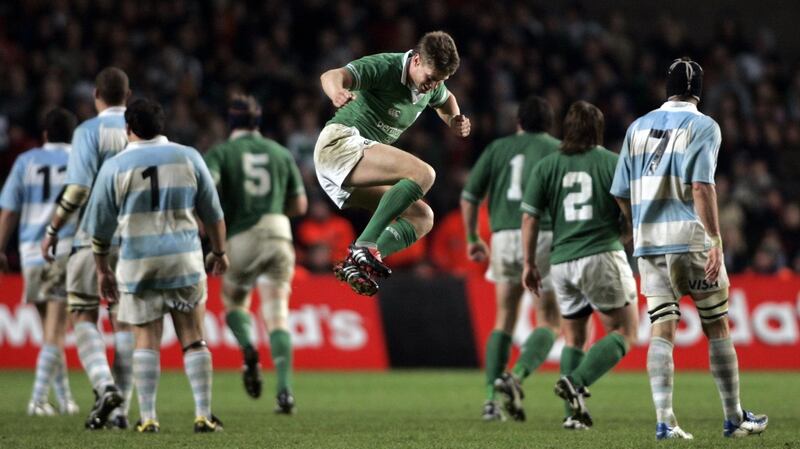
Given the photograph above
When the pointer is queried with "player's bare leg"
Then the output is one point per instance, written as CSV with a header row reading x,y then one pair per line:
x,y
275,312
724,366
408,179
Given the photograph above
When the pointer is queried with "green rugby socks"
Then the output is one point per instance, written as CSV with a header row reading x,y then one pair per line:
x,y
534,352
280,345
396,237
498,348
602,356
392,204
240,324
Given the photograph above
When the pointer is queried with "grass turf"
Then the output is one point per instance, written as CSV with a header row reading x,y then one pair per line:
x,y
411,409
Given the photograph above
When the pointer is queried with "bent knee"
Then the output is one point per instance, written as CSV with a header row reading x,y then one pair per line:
x,y
420,215
424,175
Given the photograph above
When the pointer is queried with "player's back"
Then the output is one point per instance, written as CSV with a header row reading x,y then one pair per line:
x,y
32,189
665,151
500,173
94,141
154,186
585,215
255,176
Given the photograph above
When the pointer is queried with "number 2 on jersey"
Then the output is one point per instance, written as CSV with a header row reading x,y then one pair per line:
x,y
514,192
575,207
258,182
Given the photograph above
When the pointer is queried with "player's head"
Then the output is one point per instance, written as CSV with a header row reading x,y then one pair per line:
x,y
434,59
684,79
583,128
58,125
111,87
144,119
535,115
244,112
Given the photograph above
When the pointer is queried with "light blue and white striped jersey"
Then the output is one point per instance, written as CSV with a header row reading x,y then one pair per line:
x,y
664,152
150,192
32,188
93,142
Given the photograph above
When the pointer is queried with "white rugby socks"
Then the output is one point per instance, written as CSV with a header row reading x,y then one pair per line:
x,y
123,367
92,352
46,365
146,372
661,370
198,369
725,369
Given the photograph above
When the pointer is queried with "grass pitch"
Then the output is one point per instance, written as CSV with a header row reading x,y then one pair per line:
x,y
411,409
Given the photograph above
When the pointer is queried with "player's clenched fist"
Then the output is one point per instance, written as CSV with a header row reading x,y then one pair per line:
x,y
460,125
343,97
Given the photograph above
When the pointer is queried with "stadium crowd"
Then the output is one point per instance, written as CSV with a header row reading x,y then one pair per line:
x,y
192,56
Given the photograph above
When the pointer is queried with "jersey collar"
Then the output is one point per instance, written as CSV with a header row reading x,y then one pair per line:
x,y
52,146
243,133
113,110
404,79
158,140
685,106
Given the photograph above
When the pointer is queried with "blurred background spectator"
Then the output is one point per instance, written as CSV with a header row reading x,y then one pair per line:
x,y
191,55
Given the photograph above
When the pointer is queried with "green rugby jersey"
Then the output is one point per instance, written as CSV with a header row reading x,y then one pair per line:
x,y
386,103
254,176
499,173
574,190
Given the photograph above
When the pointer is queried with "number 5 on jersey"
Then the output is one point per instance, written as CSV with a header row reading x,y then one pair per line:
x,y
258,182
575,207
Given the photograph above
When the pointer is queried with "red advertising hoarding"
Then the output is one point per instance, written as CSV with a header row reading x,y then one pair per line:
x,y
331,327
764,314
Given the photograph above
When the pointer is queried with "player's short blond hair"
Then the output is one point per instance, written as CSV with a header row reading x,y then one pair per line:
x,y
438,50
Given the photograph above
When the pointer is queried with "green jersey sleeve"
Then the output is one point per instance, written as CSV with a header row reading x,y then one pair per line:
x,y
439,96
479,177
367,71
534,196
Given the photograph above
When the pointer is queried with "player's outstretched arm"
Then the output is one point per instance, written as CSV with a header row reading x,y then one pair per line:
x,y
337,83
477,251
8,221
450,113
705,204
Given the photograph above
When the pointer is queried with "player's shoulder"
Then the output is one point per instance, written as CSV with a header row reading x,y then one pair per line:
x,y
88,125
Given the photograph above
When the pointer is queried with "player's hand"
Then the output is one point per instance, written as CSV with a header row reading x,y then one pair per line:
x,y
217,265
460,125
49,244
343,97
478,251
3,263
107,284
713,264
531,279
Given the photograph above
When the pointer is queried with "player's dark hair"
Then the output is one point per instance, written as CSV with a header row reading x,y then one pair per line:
x,y
112,86
244,112
535,115
59,124
438,50
145,118
684,79
583,128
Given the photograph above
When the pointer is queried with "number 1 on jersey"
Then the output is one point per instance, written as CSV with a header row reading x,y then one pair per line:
x,y
152,173
514,192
